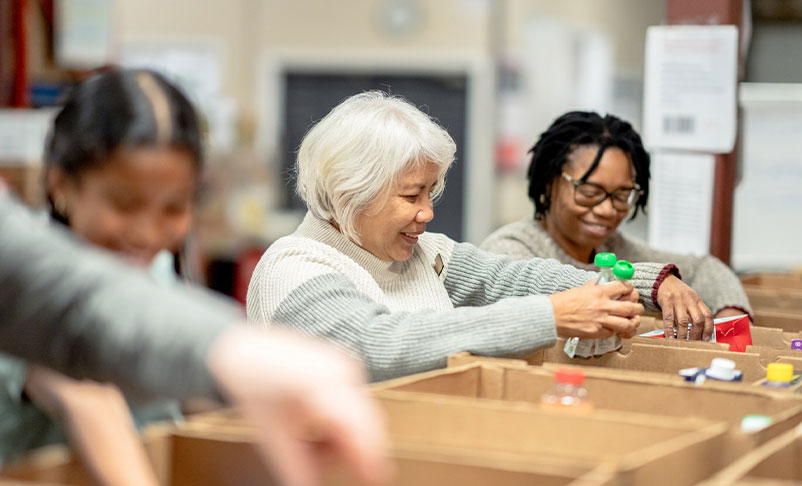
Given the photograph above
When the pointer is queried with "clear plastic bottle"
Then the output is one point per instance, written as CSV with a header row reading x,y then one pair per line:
x,y
606,263
585,348
568,393
622,271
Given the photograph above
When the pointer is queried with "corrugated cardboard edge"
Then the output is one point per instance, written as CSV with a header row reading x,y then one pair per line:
x,y
740,468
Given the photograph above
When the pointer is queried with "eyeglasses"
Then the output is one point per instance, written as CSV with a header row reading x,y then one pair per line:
x,y
588,194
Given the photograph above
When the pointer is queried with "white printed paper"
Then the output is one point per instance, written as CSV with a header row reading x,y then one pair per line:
x,y
690,88
22,135
681,202
84,33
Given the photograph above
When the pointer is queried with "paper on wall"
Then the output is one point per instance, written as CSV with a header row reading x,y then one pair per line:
x,y
681,202
690,88
22,135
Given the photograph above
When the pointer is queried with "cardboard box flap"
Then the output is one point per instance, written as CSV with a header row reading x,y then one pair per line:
x,y
660,358
773,337
641,448
776,460
773,280
785,319
520,427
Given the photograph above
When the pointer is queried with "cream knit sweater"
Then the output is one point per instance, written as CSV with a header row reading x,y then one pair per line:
x,y
406,317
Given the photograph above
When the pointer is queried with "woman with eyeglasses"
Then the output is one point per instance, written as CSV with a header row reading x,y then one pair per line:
x,y
361,269
586,175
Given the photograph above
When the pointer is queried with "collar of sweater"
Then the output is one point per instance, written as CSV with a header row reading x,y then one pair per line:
x,y
322,231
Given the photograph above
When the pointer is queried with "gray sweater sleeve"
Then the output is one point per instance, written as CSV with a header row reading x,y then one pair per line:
x,y
477,277
399,343
88,315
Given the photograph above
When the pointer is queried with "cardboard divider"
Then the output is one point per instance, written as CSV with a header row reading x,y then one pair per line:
x,y
776,299
773,337
772,346
773,280
776,462
643,394
781,299
640,447
216,449
56,465
785,319
668,356
779,291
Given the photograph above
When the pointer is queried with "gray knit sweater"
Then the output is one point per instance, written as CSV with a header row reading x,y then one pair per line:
x,y
715,283
406,317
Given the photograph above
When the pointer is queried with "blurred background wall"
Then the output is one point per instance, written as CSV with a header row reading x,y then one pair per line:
x,y
494,72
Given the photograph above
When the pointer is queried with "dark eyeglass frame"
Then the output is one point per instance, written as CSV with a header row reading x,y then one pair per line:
x,y
634,193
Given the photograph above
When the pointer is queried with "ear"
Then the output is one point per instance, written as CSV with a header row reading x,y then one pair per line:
x,y
547,195
59,187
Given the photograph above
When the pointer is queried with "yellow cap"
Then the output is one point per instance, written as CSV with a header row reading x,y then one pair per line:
x,y
780,372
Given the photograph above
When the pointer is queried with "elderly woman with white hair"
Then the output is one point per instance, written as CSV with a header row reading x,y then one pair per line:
x,y
361,271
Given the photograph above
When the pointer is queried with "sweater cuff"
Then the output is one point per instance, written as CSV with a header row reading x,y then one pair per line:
x,y
665,272
647,279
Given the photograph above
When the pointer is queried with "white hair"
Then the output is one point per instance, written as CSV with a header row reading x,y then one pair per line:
x,y
356,153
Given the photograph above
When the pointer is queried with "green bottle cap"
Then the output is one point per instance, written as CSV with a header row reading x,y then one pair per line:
x,y
604,259
623,270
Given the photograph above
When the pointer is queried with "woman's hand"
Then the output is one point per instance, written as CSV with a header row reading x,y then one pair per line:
x,y
597,311
98,425
683,307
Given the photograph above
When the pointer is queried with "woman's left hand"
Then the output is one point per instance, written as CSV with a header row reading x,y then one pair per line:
x,y
682,307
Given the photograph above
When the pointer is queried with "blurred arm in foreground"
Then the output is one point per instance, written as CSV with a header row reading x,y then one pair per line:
x,y
96,318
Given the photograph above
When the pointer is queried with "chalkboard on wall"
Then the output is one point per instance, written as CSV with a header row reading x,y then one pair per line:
x,y
309,96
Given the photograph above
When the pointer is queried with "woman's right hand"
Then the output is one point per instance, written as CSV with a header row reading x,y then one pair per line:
x,y
597,311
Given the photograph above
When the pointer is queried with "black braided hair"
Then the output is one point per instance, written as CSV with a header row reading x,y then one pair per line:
x,y
582,128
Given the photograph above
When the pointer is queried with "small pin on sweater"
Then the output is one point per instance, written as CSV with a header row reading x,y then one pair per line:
x,y
438,264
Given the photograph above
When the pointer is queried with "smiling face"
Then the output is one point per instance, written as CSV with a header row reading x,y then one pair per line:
x,y
137,203
579,230
389,229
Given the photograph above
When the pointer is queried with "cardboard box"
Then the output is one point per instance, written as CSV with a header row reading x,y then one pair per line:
x,y
775,463
641,448
769,280
787,319
216,450
664,356
650,394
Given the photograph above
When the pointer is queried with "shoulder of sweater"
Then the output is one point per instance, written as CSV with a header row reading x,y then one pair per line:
x,y
514,230
635,249
527,234
295,248
433,244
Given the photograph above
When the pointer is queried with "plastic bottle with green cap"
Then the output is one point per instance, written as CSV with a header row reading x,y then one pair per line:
x,y
779,375
585,348
622,271
606,263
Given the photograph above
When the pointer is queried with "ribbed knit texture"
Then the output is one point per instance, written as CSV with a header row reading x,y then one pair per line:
x,y
715,282
402,317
